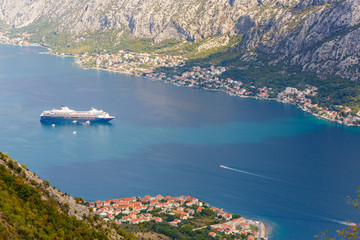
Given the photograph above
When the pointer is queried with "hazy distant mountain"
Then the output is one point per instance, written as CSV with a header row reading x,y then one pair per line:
x,y
320,35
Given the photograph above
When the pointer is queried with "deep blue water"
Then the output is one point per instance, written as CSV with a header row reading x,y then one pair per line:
x,y
293,169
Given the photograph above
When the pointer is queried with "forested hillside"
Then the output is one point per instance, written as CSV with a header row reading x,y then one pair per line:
x,y
31,209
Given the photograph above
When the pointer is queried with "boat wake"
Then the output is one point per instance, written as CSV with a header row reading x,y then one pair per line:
x,y
250,173
346,223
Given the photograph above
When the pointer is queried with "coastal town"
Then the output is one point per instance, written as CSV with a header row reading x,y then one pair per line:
x,y
129,62
18,41
177,212
209,78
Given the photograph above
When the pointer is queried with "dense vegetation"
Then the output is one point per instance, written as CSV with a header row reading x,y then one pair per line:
x,y
27,212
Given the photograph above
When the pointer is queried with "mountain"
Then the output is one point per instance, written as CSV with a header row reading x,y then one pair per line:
x,y
319,35
31,209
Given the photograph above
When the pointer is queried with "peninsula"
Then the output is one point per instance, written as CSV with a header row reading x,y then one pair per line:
x,y
45,210
176,217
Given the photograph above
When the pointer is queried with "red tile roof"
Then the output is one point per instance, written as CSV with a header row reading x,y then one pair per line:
x,y
212,234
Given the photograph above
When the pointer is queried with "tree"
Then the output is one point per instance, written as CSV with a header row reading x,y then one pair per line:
x,y
352,230
208,212
187,229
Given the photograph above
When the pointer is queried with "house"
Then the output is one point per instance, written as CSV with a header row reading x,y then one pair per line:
x,y
347,109
180,208
117,211
156,219
102,214
190,211
199,209
126,211
219,229
227,226
126,218
159,197
98,204
245,225
212,234
175,222
135,221
227,216
251,237
180,212
216,210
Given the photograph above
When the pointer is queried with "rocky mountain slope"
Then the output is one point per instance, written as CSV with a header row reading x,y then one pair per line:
x,y
319,35
31,209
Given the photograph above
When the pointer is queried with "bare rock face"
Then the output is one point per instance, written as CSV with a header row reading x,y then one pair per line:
x,y
339,56
336,38
25,12
160,19
319,35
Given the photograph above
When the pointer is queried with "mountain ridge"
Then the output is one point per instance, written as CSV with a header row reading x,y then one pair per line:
x,y
319,35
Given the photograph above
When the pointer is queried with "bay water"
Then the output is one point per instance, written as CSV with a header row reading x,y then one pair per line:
x,y
284,166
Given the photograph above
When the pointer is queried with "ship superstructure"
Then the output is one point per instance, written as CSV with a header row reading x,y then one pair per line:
x,y
65,114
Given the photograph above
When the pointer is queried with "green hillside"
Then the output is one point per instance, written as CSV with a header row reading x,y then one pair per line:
x,y
29,211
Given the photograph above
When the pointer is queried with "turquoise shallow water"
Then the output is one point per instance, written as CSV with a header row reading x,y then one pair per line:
x,y
287,167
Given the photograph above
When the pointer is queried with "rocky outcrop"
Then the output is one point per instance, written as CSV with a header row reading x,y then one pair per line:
x,y
321,38
160,19
67,203
320,35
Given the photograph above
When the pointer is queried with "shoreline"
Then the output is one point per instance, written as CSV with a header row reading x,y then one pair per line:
x,y
119,78
343,122
177,211
268,225
330,116
340,122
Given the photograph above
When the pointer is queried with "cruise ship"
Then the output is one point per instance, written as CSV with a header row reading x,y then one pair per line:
x,y
68,115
